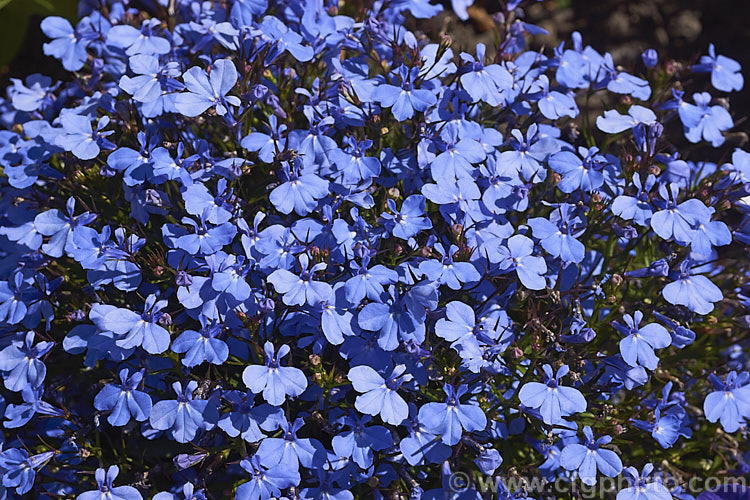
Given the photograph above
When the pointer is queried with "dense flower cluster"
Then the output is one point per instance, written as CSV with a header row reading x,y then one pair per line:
x,y
262,248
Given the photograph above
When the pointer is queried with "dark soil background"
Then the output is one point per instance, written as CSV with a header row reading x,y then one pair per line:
x,y
678,29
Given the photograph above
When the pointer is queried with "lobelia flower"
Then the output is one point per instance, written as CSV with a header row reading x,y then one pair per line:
x,y
730,403
276,382
243,418
677,220
265,483
184,416
62,228
404,99
139,329
124,400
640,489
527,153
725,72
458,156
392,320
484,83
188,493
590,458
368,281
79,138
19,469
650,58
701,120
636,208
451,418
361,441
21,362
302,289
352,163
298,192
553,400
202,346
553,104
488,460
694,291
665,429
446,271
19,415
379,394
289,450
107,491
13,294
558,233
208,91
410,220
637,348
613,122
518,255
139,41
421,446
583,174
68,44
153,85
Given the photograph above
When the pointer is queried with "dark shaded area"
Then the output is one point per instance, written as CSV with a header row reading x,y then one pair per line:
x,y
678,29
31,59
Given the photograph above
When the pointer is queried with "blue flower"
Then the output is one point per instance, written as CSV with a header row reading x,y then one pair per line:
x,y
518,255
451,418
139,329
725,72
404,99
694,291
640,489
61,227
665,429
553,400
301,289
361,441
124,400
558,233
484,83
208,91
201,346
703,121
613,122
106,490
583,174
289,450
19,469
638,207
265,483
730,403
410,220
184,416
298,192
139,41
79,138
68,44
243,418
18,415
650,58
379,394
21,362
276,382
447,271
590,458
638,346
153,85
